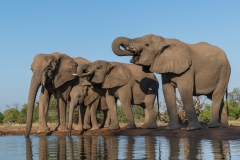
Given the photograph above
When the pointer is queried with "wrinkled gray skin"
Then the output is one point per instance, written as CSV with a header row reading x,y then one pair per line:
x,y
127,82
195,69
54,72
90,98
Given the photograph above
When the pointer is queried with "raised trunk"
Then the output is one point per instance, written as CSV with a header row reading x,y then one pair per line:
x,y
35,83
70,122
121,42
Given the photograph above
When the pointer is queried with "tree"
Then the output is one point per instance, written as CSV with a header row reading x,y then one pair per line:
x,y
234,104
234,95
11,116
1,117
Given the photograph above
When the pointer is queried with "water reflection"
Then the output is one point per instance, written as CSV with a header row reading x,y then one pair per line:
x,y
121,147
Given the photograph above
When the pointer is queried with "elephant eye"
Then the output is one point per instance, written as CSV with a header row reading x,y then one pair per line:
x,y
98,67
147,44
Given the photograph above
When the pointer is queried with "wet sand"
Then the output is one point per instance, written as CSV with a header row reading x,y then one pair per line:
x,y
228,133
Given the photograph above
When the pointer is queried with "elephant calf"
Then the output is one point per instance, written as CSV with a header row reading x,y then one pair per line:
x,y
127,82
90,99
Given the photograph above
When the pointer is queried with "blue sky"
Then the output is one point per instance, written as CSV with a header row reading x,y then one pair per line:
x,y
87,29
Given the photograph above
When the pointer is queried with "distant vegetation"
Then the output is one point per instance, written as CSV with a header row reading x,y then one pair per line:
x,y
15,114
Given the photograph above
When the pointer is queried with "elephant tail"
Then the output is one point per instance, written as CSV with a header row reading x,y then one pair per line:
x,y
159,115
227,101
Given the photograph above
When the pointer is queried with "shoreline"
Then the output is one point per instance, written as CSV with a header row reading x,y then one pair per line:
x,y
222,133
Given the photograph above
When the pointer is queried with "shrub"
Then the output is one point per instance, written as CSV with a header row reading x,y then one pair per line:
x,y
11,116
233,112
1,117
204,115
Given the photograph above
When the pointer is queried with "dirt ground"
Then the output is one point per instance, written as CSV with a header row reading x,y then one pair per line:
x,y
228,133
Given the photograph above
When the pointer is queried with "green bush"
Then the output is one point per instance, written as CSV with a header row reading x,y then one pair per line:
x,y
11,116
1,117
233,112
138,113
52,114
120,113
204,115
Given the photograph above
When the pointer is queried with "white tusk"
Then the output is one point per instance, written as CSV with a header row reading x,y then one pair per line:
x,y
75,74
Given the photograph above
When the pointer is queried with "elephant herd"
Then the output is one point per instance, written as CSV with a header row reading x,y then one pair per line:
x,y
195,69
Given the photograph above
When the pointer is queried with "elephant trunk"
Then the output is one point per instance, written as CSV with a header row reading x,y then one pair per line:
x,y
35,83
121,42
82,71
70,122
88,71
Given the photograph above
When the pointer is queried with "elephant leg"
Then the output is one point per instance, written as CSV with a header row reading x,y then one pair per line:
x,y
62,94
106,119
81,113
218,111
93,112
223,115
170,99
111,103
185,88
150,119
43,108
62,114
126,104
87,116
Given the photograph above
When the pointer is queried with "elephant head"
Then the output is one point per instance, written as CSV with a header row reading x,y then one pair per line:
x,y
108,74
48,69
162,55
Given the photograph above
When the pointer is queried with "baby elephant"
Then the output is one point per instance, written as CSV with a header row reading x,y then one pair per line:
x,y
90,99
129,83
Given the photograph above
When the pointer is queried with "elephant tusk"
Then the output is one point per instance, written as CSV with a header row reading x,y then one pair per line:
x,y
75,74
86,74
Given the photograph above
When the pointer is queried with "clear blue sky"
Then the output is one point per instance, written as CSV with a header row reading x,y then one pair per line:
x,y
87,29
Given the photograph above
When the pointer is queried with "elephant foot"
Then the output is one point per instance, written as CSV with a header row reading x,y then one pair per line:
x,y
94,127
149,126
86,126
214,125
43,129
114,126
78,128
172,126
130,126
104,126
61,128
193,126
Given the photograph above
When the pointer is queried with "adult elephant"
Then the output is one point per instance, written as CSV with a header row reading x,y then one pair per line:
x,y
90,98
127,82
55,73
195,69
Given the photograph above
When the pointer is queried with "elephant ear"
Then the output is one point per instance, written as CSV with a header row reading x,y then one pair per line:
x,y
66,67
91,96
175,59
119,75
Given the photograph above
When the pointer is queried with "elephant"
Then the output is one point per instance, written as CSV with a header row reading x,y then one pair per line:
x,y
54,72
195,69
90,98
127,82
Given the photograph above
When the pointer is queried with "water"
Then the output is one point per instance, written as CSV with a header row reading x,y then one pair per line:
x,y
116,147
